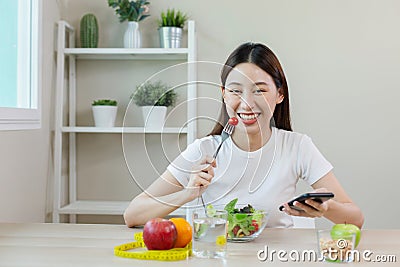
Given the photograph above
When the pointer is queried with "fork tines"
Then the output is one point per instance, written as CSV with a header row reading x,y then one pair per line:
x,y
226,132
229,128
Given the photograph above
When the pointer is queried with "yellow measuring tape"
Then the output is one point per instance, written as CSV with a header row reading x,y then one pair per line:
x,y
174,254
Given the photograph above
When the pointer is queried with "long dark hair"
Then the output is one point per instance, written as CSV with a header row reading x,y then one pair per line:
x,y
265,59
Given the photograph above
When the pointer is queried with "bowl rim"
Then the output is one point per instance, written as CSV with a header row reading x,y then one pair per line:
x,y
238,205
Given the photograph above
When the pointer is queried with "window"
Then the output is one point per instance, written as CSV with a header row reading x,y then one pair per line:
x,y
19,65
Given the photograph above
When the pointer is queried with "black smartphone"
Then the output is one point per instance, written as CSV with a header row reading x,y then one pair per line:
x,y
318,197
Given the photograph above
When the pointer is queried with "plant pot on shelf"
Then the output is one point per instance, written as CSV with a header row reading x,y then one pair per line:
x,y
154,117
170,29
170,37
104,112
104,116
132,11
132,35
154,98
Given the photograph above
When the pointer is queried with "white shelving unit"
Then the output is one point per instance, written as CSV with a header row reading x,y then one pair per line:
x,y
66,87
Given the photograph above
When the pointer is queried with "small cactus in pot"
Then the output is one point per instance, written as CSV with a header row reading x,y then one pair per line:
x,y
89,31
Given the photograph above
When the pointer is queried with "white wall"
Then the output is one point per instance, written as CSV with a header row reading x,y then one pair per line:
x,y
25,155
341,58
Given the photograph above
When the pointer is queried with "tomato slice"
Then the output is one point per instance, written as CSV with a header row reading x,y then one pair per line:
x,y
233,121
255,224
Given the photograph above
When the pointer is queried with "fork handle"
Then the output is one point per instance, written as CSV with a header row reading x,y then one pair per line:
x,y
216,151
224,136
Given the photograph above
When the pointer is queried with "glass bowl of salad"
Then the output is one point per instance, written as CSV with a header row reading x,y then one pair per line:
x,y
245,223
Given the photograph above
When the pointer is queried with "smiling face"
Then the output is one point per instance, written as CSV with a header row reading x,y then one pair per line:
x,y
250,94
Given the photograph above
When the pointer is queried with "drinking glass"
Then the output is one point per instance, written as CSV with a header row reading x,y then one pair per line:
x,y
209,233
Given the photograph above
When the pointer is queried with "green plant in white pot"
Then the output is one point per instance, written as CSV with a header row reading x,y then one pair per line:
x,y
104,112
132,11
170,28
154,98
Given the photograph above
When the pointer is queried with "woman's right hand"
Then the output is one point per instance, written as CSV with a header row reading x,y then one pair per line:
x,y
201,177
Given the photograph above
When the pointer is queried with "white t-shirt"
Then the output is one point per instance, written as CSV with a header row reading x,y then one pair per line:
x,y
265,178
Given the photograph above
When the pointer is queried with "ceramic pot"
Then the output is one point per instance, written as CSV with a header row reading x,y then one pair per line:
x,y
104,116
132,35
154,117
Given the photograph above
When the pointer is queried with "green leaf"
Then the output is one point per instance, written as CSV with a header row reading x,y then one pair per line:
x,y
231,205
129,10
172,18
104,102
133,14
143,17
240,217
157,94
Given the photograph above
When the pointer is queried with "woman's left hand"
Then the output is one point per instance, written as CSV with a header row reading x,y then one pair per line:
x,y
313,209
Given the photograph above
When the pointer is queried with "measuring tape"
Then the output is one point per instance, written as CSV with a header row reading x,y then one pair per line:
x,y
174,254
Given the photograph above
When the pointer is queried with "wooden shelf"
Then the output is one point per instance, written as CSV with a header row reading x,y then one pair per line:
x,y
128,53
143,130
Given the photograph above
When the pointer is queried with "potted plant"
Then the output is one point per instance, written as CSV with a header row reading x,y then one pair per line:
x,y
133,12
170,28
154,98
104,112
89,31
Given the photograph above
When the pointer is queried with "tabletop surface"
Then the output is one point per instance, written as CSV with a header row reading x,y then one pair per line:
x,y
93,245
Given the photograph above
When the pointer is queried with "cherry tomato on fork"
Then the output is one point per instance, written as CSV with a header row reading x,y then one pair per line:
x,y
233,121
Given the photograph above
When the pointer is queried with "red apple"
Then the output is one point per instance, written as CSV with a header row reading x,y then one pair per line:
x,y
159,234
342,229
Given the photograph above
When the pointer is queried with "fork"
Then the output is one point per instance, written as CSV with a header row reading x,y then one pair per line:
x,y
226,132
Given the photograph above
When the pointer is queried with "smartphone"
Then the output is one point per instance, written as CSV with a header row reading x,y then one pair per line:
x,y
318,197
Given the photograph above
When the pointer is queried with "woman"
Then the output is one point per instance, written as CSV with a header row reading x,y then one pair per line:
x,y
260,163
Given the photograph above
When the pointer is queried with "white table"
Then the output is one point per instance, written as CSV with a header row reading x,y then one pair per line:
x,y
92,245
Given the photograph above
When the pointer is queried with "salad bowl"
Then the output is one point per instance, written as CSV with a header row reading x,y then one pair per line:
x,y
245,223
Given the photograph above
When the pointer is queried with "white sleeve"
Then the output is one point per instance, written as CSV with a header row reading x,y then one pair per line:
x,y
311,164
181,167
